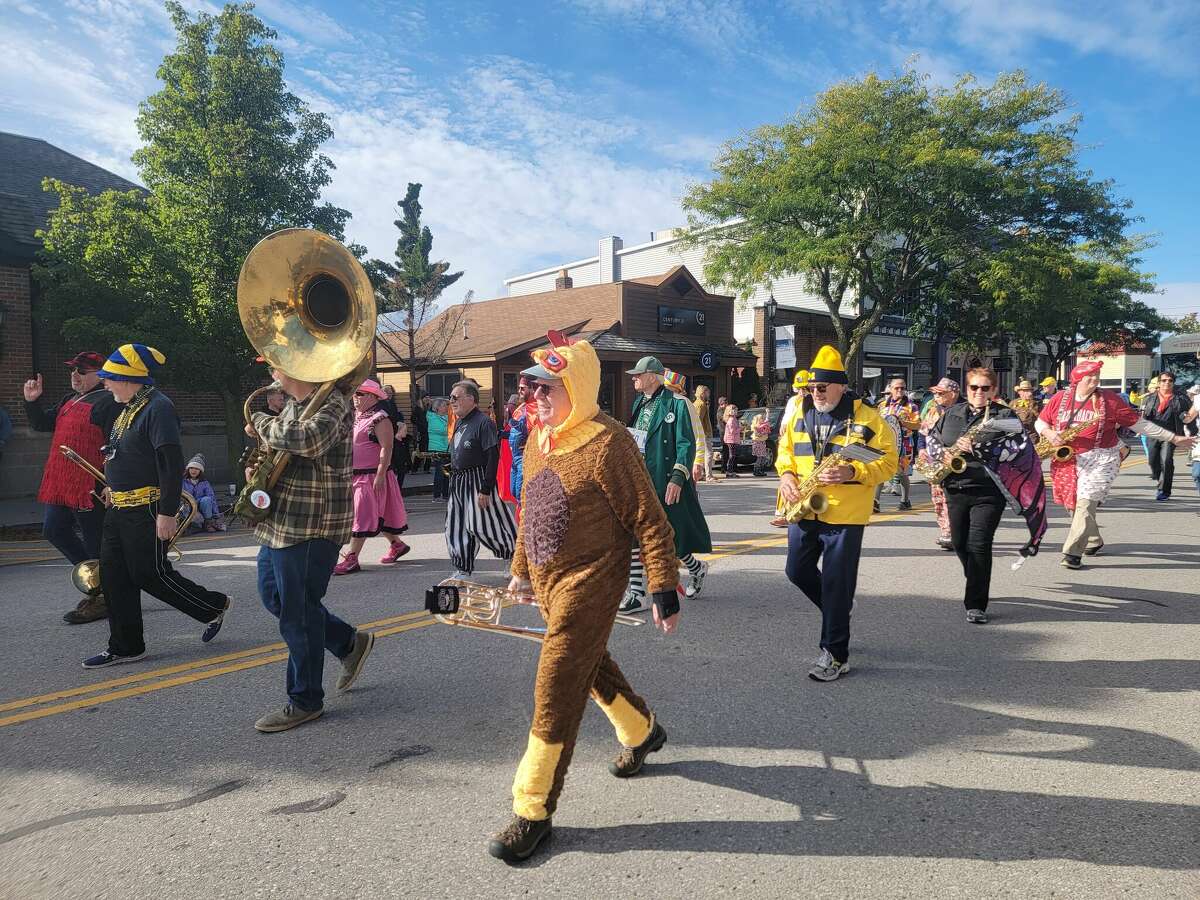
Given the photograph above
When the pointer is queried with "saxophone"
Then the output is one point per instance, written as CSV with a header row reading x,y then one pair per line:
x,y
937,471
813,501
1062,451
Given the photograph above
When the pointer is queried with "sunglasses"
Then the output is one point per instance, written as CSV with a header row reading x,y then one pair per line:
x,y
818,388
979,387
542,387
80,370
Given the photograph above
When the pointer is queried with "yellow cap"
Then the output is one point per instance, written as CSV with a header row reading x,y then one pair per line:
x,y
803,377
827,367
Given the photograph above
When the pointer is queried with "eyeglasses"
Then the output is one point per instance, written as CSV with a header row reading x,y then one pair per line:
x,y
542,387
454,397
979,387
818,388
80,370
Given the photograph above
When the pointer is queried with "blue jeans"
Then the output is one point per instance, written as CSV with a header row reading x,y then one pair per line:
x,y
1196,475
292,583
831,587
441,484
63,527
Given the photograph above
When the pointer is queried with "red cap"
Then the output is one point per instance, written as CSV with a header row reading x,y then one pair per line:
x,y
86,359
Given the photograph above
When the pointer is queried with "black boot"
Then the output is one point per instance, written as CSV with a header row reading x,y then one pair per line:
x,y
629,761
519,840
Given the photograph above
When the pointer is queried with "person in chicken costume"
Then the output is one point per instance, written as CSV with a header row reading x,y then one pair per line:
x,y
588,499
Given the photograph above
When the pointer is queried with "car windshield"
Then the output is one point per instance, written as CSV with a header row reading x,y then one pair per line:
x,y
773,416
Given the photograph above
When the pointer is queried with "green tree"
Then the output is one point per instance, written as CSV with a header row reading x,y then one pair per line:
x,y
411,286
1188,324
887,191
229,156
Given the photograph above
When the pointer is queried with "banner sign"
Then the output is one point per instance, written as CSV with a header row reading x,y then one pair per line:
x,y
785,347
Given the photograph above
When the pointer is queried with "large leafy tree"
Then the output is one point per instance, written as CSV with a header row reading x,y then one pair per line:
x,y
411,286
229,155
887,191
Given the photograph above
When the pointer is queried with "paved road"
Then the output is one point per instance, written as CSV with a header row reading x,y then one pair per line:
x,y
1055,751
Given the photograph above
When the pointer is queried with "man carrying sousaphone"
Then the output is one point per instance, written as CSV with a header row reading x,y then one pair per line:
x,y
143,465
588,499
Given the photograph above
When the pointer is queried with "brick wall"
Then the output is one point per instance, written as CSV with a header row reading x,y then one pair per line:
x,y
16,339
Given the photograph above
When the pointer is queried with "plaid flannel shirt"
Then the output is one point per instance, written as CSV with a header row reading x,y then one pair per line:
x,y
313,498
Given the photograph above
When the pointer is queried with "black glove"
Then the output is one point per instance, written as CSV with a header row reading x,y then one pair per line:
x,y
667,603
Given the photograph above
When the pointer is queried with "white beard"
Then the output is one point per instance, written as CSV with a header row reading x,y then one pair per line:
x,y
824,407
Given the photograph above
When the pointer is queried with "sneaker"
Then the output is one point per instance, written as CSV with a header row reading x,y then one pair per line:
x,y
696,581
1094,551
633,602
946,544
105,659
1071,562
395,551
213,628
348,565
519,840
826,668
1161,496
875,506
90,609
977,617
460,575
364,643
630,760
289,717
905,505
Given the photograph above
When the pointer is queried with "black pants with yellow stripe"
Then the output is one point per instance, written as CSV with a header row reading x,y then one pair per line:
x,y
132,560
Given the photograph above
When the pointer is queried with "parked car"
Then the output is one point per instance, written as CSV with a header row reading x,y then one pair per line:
x,y
745,453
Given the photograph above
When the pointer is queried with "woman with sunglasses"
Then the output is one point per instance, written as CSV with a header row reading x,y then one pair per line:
x,y
974,500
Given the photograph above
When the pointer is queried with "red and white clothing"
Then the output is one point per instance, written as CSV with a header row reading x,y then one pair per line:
x,y
374,510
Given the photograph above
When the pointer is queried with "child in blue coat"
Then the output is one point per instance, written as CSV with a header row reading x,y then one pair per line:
x,y
209,518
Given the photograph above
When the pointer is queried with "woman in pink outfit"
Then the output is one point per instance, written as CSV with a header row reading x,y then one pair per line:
x,y
378,504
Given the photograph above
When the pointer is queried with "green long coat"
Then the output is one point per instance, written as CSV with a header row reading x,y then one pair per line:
x,y
669,443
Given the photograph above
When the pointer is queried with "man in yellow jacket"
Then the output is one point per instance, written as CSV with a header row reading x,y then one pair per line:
x,y
828,419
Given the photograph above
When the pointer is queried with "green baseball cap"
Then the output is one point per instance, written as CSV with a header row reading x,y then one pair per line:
x,y
646,364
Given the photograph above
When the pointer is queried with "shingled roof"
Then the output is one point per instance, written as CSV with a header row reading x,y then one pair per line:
x,y
24,206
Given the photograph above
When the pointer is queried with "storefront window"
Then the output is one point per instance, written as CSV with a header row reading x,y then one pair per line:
x,y
438,384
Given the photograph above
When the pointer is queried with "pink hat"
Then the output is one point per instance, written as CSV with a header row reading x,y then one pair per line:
x,y
946,384
371,386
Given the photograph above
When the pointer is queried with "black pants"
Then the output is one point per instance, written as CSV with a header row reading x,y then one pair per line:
x,y
1162,464
731,451
974,517
132,560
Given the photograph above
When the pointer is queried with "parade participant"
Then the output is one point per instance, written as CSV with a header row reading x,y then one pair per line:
x,y
1082,482
831,417
202,492
704,412
142,463
520,425
1049,386
378,504
312,515
661,425
1025,407
945,394
588,498
474,515
676,384
1170,411
1002,468
436,442
898,409
1135,397
74,519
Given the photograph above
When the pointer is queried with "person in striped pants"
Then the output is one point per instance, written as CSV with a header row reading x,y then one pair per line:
x,y
475,515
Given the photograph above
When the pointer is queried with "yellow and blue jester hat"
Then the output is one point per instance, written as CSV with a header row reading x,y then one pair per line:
x,y
132,362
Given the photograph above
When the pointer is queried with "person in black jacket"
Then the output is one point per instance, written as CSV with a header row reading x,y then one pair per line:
x,y
974,502
1170,411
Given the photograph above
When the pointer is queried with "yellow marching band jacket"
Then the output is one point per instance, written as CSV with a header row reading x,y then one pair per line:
x,y
849,503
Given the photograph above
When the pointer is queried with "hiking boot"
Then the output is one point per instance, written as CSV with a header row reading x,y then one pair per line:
x,y
348,565
364,643
90,609
289,717
395,551
1071,562
633,602
629,761
696,582
519,840
977,617
213,628
826,668
105,659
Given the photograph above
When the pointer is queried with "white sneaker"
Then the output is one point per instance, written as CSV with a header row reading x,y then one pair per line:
x,y
826,668
461,575
632,603
696,582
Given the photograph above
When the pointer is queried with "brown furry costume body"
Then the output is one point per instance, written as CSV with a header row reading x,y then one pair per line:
x,y
587,498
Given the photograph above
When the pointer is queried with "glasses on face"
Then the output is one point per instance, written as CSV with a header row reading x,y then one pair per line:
x,y
818,388
454,398
542,388
79,370
1165,380
979,387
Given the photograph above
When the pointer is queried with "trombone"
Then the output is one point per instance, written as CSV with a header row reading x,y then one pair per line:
x,y
469,604
86,575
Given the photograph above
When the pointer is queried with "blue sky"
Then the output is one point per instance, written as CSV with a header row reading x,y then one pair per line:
x,y
538,127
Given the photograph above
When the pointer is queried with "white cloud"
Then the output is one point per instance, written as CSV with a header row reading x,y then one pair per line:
x,y
721,27
304,21
1175,299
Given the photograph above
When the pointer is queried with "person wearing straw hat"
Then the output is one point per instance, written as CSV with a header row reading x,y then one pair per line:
x,y
1024,405
829,419
143,460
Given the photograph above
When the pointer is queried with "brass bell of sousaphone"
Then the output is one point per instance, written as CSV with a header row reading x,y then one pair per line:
x,y
308,308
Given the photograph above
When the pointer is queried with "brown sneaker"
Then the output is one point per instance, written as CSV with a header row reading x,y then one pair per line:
x,y
519,840
364,642
289,717
90,609
629,761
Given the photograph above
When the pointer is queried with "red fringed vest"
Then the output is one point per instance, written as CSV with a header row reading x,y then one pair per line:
x,y
63,482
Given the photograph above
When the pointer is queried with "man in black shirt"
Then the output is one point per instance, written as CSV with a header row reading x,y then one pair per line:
x,y
475,515
1170,411
143,465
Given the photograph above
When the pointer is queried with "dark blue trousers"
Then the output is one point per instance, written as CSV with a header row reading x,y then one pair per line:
x,y
830,587
292,582
64,527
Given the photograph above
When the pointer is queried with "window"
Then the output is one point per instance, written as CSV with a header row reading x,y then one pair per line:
x,y
438,384
510,385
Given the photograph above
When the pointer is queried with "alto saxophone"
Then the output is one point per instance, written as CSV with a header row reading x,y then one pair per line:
x,y
937,471
813,501
1062,451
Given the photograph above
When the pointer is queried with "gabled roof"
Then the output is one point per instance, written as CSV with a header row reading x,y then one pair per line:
x,y
24,162
680,279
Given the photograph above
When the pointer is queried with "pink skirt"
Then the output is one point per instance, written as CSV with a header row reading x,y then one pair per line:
x,y
376,511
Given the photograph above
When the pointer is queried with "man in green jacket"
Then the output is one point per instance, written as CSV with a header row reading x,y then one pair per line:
x,y
662,427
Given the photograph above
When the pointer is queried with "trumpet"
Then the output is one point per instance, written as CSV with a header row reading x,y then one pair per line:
x,y
86,575
472,605
814,502
1062,451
